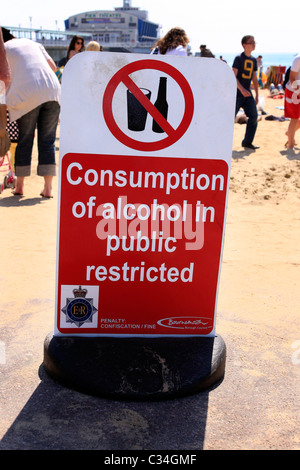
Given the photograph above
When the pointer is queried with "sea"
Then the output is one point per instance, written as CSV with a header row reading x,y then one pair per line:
x,y
268,59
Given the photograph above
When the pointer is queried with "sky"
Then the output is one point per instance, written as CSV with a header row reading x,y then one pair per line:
x,y
220,24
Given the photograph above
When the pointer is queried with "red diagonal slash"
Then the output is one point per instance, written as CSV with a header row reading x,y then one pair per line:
x,y
146,103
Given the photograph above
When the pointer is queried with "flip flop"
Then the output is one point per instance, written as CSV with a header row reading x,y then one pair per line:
x,y
47,197
286,144
17,194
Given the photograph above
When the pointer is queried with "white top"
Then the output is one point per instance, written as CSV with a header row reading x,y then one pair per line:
x,y
179,50
33,82
295,68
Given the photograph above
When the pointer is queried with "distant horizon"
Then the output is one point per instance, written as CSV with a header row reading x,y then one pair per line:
x,y
254,53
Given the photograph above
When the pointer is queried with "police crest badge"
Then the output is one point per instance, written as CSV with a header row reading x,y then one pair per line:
x,y
79,309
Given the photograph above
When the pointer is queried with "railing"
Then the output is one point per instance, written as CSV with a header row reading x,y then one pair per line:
x,y
60,43
34,33
61,39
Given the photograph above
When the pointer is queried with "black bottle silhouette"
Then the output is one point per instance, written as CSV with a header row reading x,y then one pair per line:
x,y
161,103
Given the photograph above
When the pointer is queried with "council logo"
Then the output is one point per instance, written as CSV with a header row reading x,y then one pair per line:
x,y
186,323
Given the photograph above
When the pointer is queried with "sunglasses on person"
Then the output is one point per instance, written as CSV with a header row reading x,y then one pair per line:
x,y
79,42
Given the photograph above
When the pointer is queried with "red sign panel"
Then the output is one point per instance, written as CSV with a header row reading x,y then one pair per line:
x,y
139,244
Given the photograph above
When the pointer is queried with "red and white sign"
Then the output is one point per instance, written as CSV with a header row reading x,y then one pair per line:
x,y
141,210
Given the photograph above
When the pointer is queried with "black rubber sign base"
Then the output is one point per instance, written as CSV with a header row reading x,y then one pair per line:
x,y
135,368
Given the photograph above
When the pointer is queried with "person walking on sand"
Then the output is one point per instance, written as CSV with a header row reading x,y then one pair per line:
x,y
33,100
292,102
244,68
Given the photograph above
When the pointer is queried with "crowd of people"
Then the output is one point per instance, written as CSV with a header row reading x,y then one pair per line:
x,y
28,76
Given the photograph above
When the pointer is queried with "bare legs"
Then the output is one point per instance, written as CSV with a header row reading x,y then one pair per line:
x,y
46,192
19,189
294,125
44,117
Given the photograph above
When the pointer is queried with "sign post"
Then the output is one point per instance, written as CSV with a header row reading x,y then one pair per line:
x,y
145,151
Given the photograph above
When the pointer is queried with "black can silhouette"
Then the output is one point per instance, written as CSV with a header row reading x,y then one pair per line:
x,y
136,113
161,103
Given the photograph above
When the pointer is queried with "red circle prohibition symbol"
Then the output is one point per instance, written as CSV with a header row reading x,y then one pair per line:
x,y
173,135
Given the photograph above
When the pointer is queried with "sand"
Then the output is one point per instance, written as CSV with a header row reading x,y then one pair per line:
x,y
257,404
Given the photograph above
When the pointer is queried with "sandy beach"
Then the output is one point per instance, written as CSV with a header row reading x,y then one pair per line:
x,y
257,404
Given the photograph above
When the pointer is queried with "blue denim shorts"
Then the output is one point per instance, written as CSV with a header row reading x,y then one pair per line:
x,y
44,118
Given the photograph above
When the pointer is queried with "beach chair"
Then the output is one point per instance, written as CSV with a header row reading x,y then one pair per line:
x,y
275,75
